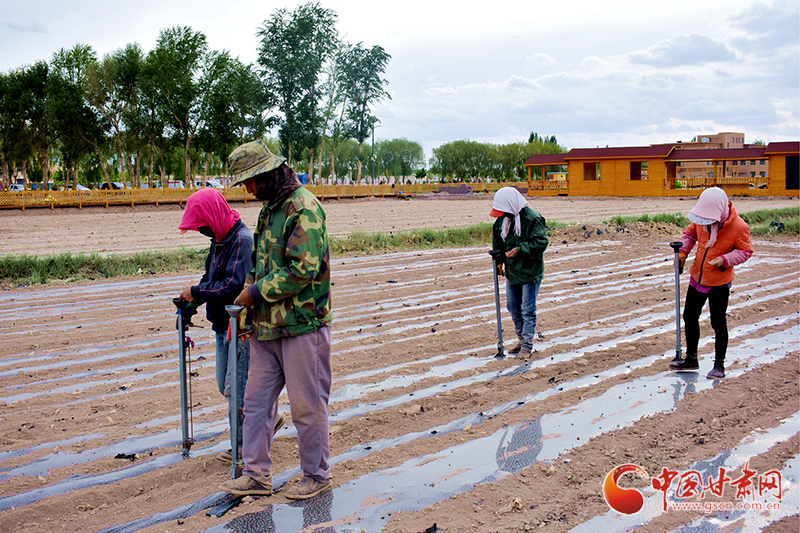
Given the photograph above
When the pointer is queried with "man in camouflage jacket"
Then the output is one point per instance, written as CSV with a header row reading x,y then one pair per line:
x,y
288,291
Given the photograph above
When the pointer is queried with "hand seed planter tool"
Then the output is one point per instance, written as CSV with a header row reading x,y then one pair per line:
x,y
233,413
495,254
186,310
676,246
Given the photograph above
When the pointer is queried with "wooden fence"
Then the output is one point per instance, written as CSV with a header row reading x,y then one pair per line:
x,y
53,199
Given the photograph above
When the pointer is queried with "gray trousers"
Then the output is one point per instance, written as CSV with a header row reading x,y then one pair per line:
x,y
303,365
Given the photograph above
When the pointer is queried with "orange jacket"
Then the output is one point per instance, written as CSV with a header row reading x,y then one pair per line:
x,y
734,234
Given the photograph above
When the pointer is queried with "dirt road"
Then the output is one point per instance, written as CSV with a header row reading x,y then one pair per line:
x,y
120,229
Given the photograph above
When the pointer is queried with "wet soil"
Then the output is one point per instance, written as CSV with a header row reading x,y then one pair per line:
x,y
427,426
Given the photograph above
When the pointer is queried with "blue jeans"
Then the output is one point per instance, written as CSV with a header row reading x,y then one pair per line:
x,y
521,303
223,377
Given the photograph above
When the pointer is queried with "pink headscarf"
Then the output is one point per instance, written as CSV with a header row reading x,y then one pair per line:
x,y
711,210
207,207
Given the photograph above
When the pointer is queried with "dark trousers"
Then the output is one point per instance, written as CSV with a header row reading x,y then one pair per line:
x,y
717,306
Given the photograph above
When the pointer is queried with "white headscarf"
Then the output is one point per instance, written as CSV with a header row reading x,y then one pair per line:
x,y
509,200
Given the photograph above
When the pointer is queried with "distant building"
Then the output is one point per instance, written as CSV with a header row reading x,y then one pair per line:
x,y
738,168
675,169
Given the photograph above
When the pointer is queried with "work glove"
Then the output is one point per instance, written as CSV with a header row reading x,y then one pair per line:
x,y
500,269
681,261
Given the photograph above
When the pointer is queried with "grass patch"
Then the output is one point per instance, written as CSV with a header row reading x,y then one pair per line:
x,y
768,221
362,243
761,222
21,269
679,219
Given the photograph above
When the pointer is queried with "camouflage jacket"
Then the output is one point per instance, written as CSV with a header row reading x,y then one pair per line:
x,y
291,280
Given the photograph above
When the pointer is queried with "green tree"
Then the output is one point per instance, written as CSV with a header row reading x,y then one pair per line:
x,y
112,90
73,123
334,100
176,73
26,129
237,100
362,70
398,157
294,47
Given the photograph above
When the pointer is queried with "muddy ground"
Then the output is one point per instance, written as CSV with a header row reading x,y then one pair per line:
x,y
427,426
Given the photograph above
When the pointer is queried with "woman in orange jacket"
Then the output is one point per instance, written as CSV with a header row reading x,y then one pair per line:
x,y
723,241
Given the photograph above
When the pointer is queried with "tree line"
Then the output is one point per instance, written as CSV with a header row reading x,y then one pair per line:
x,y
179,109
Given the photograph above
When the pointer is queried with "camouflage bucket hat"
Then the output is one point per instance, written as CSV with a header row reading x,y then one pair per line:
x,y
252,159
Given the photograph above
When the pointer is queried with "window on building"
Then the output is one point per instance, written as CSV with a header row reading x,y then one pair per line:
x,y
752,174
735,163
752,162
744,162
762,174
762,162
591,172
638,170
792,172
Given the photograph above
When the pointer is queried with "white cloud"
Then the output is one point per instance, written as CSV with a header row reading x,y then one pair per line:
x,y
441,91
541,59
767,27
30,27
680,50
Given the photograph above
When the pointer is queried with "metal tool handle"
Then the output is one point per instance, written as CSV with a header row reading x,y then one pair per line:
x,y
233,369
495,254
676,246
186,442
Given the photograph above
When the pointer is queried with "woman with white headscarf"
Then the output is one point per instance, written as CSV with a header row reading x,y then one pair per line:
x,y
520,233
723,240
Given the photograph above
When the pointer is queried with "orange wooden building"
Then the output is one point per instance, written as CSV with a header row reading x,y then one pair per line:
x,y
660,170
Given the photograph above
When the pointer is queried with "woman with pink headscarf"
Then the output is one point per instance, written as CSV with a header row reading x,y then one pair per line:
x,y
228,262
723,240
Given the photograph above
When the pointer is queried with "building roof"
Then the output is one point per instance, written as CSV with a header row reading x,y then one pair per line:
x,y
624,152
783,147
718,154
546,159
670,152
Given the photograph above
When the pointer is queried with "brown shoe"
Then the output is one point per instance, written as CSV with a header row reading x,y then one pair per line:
x,y
525,353
516,348
246,486
307,487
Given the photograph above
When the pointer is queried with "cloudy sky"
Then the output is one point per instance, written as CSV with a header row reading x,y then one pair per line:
x,y
617,73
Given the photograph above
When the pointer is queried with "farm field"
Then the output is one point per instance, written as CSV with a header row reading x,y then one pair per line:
x,y
427,426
